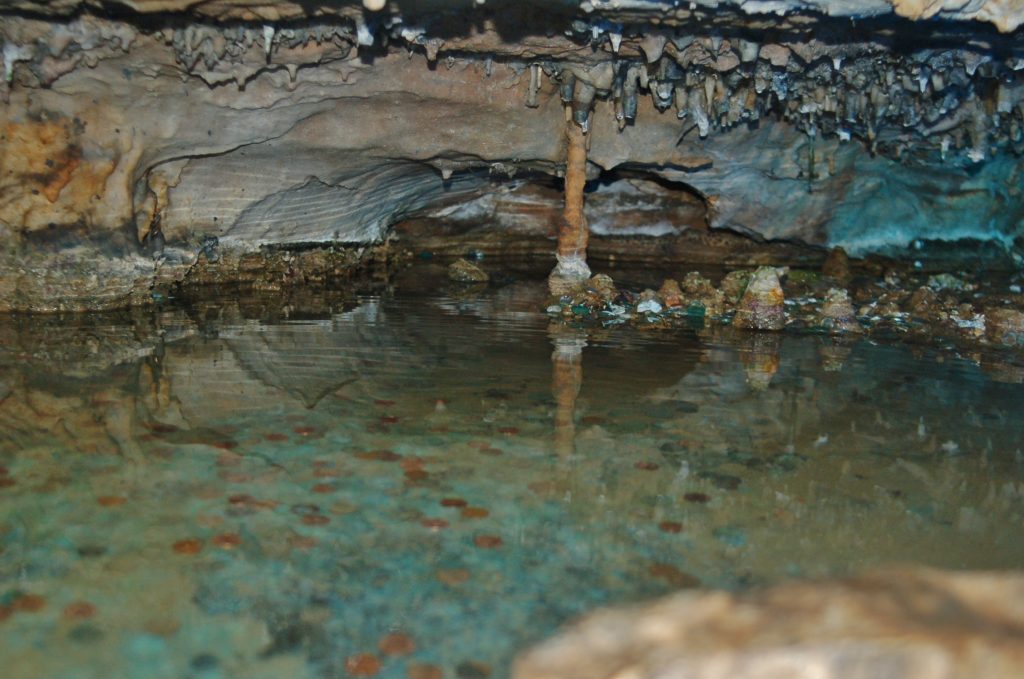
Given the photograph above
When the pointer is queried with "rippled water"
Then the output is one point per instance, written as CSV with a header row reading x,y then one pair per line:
x,y
245,489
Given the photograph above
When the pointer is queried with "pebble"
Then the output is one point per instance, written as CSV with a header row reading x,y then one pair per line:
x,y
397,643
648,306
488,541
188,546
362,665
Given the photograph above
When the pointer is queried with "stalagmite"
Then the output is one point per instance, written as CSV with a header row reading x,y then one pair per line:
x,y
573,234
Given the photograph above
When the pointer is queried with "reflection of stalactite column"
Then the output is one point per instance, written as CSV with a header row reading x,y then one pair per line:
x,y
573,234
566,380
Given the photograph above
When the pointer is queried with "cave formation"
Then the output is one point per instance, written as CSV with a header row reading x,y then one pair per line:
x,y
144,140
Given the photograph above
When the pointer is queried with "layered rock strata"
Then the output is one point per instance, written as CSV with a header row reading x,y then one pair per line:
x,y
137,134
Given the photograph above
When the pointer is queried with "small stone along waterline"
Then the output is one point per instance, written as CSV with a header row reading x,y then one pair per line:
x,y
411,484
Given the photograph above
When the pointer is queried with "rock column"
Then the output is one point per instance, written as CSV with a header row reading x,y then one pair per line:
x,y
573,235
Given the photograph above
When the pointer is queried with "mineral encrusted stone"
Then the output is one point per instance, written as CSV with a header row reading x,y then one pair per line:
x,y
670,294
761,307
603,286
734,283
837,314
699,291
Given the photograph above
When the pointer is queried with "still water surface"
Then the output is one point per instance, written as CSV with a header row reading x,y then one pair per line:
x,y
241,489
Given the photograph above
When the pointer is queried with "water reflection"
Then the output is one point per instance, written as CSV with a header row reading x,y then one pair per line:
x,y
566,380
267,490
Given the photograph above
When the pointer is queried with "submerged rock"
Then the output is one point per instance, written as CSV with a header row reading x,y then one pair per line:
x,y
911,623
837,314
1005,326
465,271
761,307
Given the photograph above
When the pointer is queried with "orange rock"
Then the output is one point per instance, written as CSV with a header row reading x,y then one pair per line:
x,y
362,665
315,519
453,502
412,462
474,513
397,643
28,603
671,526
188,546
110,500
488,541
79,610
227,540
324,488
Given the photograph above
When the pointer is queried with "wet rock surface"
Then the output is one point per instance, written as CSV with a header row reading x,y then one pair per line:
x,y
886,300
761,305
916,624
163,124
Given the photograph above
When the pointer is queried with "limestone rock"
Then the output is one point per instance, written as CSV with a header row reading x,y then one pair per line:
x,y
670,294
265,124
761,307
465,271
603,286
837,314
701,292
734,283
912,624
